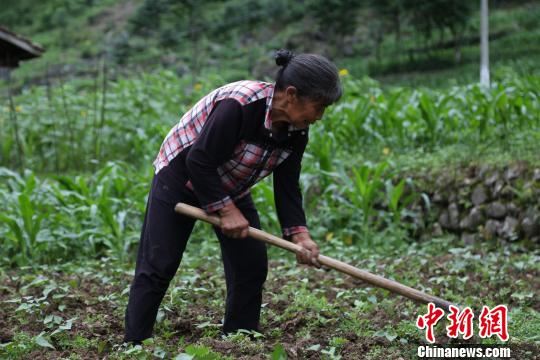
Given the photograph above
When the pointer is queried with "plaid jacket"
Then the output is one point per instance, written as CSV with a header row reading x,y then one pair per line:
x,y
225,145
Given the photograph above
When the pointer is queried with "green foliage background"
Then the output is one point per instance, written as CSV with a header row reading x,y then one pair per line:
x,y
77,160
80,126
397,41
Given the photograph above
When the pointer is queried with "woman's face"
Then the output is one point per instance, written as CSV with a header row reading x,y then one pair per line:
x,y
304,112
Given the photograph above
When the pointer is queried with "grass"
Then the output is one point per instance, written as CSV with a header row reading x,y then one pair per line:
x,y
77,308
521,148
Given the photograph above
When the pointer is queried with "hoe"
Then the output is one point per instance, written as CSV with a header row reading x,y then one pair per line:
x,y
363,275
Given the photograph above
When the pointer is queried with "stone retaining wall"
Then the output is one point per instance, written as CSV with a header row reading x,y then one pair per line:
x,y
483,203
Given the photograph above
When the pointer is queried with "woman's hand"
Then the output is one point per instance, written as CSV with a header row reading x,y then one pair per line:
x,y
306,257
233,222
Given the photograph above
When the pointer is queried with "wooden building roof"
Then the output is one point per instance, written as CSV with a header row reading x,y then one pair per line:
x,y
15,48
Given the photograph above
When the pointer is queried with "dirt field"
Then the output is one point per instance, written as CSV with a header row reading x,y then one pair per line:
x,y
76,310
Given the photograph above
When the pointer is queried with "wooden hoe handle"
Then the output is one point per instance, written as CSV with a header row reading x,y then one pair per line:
x,y
363,275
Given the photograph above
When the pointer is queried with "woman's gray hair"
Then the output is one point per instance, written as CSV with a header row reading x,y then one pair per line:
x,y
314,76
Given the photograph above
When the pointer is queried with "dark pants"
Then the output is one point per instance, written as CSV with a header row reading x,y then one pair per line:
x,y
163,240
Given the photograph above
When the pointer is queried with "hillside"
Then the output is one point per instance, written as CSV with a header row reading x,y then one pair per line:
x,y
236,38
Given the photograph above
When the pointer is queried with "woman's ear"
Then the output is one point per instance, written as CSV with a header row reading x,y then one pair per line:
x,y
291,94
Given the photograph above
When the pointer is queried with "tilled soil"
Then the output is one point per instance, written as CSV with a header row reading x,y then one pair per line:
x,y
311,313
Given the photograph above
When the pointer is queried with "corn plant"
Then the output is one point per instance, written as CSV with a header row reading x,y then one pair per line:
x,y
396,199
129,120
364,189
74,201
53,219
126,121
24,214
263,197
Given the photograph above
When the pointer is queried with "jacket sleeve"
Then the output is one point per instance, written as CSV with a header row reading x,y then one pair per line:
x,y
287,193
215,144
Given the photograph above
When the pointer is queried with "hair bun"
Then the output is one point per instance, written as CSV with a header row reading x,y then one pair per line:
x,y
283,57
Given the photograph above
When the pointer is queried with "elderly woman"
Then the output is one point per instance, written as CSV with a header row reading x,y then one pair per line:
x,y
232,138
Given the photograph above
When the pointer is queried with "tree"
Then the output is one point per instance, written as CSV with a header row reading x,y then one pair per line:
x,y
148,17
189,14
391,13
246,18
337,18
428,16
456,19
